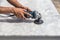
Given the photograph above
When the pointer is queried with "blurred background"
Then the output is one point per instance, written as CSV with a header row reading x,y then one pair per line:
x,y
57,4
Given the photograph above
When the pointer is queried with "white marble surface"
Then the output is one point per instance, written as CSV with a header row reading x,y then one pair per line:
x,y
13,26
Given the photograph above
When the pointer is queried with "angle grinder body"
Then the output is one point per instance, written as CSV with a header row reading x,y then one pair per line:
x,y
35,15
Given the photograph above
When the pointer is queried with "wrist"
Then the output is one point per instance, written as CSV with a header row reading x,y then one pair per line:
x,y
12,9
6,10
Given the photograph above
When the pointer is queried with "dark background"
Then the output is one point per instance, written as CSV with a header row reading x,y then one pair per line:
x,y
29,38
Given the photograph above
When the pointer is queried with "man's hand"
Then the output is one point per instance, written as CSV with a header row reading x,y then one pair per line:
x,y
18,5
20,9
19,12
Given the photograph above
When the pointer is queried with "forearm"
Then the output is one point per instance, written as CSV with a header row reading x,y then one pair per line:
x,y
15,3
6,9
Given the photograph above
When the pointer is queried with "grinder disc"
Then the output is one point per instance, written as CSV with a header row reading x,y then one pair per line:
x,y
38,22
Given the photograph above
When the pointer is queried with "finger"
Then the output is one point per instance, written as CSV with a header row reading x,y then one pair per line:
x,y
27,13
19,15
24,9
23,16
15,13
29,9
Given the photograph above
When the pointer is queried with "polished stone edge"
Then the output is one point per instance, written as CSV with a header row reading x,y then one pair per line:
x,y
29,37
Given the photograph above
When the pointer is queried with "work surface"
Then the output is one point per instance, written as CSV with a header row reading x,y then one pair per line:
x,y
51,26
